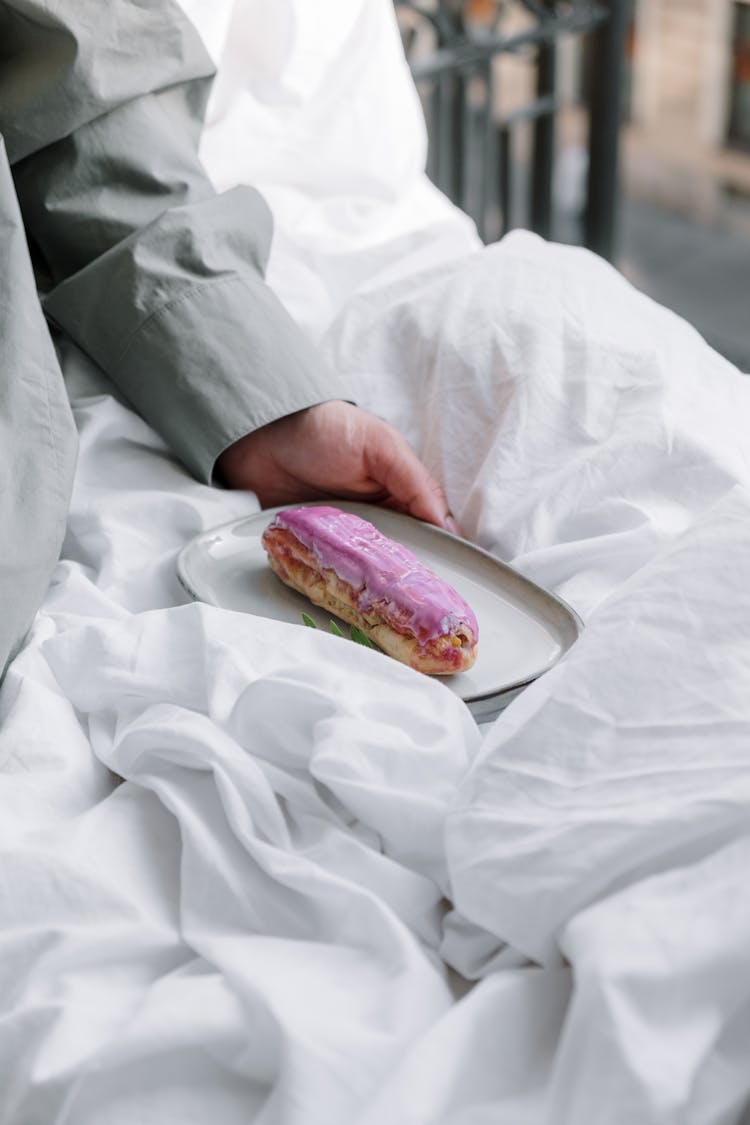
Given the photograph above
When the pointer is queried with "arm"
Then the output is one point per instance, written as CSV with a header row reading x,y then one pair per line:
x,y
37,435
153,274
158,278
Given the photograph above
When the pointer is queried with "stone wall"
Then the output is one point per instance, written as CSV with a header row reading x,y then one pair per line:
x,y
675,143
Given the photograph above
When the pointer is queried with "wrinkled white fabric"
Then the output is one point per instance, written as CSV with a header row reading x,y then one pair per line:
x,y
273,855
659,1024
629,757
265,920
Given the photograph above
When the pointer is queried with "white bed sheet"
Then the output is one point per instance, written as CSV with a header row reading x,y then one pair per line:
x,y
308,904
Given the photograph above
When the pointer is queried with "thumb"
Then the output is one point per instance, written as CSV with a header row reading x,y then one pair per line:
x,y
393,464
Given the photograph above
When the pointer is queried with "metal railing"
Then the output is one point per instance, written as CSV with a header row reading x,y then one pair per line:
x,y
471,135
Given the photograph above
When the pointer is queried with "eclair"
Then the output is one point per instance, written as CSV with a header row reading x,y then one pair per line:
x,y
344,564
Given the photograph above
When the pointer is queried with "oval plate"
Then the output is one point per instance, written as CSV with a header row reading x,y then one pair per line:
x,y
523,629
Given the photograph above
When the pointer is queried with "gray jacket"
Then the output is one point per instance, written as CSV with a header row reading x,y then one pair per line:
x,y
138,260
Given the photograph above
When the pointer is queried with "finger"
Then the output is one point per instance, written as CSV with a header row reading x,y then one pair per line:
x,y
391,462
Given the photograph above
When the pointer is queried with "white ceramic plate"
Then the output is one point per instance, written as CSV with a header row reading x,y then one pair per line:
x,y
523,629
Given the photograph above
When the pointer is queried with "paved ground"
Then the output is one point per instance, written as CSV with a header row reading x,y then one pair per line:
x,y
699,271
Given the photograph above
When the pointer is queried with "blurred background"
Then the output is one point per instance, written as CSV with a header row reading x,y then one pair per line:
x,y
622,125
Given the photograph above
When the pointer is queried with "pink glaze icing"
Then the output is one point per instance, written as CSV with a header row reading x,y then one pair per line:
x,y
381,569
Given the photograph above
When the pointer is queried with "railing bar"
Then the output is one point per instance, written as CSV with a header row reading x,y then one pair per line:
x,y
536,108
467,55
433,133
604,127
528,112
458,137
544,145
506,205
486,162
444,25
444,160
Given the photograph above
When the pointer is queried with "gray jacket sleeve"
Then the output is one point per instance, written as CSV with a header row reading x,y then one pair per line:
x,y
153,274
37,435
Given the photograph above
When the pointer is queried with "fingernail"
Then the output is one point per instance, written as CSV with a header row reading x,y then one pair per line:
x,y
450,524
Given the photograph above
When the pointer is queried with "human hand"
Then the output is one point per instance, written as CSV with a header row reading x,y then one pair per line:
x,y
331,450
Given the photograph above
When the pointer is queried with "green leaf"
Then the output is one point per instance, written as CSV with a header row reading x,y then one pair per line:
x,y
355,633
359,637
